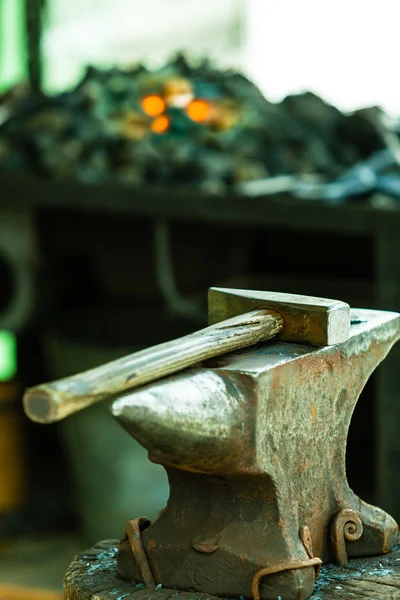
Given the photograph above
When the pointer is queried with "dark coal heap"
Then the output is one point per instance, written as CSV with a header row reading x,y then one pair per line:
x,y
201,128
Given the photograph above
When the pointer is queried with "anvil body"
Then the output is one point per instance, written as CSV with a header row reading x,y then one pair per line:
x,y
254,444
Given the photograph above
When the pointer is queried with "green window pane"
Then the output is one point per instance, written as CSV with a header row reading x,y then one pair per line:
x,y
8,355
12,44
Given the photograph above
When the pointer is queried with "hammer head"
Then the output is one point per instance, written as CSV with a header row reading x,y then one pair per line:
x,y
307,320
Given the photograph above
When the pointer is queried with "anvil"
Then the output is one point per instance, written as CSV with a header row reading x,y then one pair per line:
x,y
254,445
253,442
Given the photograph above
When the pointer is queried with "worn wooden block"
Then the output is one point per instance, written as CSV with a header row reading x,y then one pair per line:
x,y
92,576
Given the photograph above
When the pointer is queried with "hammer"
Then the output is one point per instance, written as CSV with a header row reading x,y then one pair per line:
x,y
237,318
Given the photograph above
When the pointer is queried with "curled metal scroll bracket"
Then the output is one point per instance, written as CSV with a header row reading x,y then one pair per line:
x,y
346,526
133,530
289,566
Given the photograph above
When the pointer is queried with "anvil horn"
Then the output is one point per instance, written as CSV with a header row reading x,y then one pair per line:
x,y
195,420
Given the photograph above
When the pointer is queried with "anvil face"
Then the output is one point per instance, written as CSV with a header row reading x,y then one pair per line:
x,y
254,444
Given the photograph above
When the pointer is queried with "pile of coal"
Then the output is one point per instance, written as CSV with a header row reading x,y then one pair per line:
x,y
12,100
185,124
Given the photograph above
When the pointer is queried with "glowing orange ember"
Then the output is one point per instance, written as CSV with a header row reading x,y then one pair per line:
x,y
153,105
198,111
160,124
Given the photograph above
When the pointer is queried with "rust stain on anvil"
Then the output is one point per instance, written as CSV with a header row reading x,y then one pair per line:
x,y
255,453
313,413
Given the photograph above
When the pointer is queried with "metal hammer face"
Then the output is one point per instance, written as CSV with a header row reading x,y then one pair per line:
x,y
254,445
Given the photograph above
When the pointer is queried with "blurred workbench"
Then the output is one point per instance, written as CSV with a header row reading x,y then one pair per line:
x,y
368,235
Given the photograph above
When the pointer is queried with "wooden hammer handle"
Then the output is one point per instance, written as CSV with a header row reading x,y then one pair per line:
x,y
54,401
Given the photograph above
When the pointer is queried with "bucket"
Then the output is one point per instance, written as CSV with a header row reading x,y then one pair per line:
x,y
113,479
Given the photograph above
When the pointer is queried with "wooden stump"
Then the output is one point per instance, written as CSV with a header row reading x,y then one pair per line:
x,y
92,576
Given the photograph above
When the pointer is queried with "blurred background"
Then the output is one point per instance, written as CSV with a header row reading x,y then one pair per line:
x,y
149,150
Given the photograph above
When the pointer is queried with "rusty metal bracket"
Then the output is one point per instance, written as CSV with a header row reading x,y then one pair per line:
x,y
302,564
346,526
133,531
305,536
